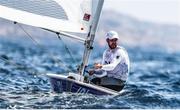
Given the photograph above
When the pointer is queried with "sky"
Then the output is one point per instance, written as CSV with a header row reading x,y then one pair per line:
x,y
160,11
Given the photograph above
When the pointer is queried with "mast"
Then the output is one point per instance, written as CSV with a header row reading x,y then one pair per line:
x,y
90,38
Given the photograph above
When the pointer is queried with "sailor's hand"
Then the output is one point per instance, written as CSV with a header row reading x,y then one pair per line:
x,y
97,66
91,72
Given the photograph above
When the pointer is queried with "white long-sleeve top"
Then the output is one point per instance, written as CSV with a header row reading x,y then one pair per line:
x,y
116,63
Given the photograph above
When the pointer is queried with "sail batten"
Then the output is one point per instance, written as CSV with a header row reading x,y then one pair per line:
x,y
39,7
55,15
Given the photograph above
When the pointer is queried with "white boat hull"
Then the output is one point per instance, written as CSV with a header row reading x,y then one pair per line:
x,y
61,83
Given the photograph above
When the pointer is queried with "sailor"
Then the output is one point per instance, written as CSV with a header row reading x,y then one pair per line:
x,y
113,71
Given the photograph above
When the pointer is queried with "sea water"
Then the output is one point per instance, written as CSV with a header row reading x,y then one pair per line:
x,y
153,82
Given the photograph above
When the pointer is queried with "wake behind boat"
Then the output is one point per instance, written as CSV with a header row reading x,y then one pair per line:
x,y
62,17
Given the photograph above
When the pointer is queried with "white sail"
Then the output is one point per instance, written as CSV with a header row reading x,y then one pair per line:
x,y
54,15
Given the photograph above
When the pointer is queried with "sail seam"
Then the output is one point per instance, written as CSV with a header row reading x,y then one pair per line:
x,y
41,7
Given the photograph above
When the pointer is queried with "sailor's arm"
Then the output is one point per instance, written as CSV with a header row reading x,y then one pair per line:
x,y
98,65
108,67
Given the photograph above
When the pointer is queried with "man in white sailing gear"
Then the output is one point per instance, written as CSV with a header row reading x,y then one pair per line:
x,y
115,65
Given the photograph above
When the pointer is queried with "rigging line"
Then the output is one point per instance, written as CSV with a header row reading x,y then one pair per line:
x,y
67,49
10,62
40,46
34,41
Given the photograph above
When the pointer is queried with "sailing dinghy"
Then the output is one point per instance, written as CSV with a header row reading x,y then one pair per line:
x,y
62,17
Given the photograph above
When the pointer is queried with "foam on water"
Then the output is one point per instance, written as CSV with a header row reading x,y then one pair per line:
x,y
154,80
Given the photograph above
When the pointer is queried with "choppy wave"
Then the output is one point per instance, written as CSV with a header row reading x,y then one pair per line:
x,y
154,80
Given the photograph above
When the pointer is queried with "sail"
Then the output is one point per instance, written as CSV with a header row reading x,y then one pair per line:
x,y
54,15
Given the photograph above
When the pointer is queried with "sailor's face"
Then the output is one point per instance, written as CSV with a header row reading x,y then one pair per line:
x,y
112,43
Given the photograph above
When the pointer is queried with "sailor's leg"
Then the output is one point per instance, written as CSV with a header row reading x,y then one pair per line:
x,y
112,83
114,87
97,80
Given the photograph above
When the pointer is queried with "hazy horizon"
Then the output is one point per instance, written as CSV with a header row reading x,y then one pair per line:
x,y
159,11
